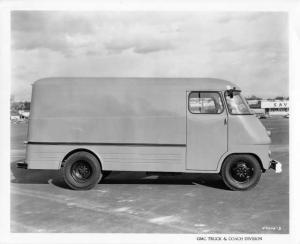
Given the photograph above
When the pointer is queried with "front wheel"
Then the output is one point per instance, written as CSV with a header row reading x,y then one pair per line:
x,y
82,171
241,172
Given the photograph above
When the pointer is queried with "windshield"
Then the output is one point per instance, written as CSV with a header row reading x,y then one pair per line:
x,y
236,103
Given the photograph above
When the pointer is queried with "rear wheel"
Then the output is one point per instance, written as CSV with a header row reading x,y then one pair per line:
x,y
241,172
82,171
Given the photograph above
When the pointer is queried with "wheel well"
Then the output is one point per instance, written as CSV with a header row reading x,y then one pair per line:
x,y
79,150
254,155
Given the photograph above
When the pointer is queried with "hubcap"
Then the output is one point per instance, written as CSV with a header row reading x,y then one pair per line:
x,y
242,171
81,171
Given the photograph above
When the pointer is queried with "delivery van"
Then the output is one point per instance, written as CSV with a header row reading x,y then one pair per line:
x,y
88,127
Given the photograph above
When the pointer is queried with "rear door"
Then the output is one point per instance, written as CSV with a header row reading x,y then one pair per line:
x,y
206,130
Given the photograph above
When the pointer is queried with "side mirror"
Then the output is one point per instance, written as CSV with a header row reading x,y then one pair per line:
x,y
230,93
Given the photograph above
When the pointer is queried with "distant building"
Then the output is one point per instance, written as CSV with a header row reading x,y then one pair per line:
x,y
14,116
277,107
20,115
269,107
24,114
253,102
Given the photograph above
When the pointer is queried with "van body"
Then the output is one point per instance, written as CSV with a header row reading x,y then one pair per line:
x,y
190,125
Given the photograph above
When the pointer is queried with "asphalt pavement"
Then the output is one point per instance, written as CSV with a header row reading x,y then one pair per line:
x,y
131,202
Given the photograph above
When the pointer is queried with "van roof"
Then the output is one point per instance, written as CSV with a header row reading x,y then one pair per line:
x,y
188,83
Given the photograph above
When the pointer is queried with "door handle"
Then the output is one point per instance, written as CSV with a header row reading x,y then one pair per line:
x,y
225,121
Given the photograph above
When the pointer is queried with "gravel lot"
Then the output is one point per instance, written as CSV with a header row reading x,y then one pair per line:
x,y
128,202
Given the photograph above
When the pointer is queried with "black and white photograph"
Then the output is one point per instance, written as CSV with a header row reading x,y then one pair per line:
x,y
150,122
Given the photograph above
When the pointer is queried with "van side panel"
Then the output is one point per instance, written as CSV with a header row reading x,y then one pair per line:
x,y
124,158
93,112
164,159
135,129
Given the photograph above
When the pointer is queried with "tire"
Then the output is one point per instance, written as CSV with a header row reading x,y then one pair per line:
x,y
241,172
82,171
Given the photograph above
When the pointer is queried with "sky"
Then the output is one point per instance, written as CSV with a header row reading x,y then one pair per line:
x,y
247,48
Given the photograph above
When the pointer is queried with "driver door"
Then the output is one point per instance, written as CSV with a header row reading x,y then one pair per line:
x,y
206,130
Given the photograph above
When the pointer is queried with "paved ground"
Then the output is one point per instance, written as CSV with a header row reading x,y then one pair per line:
x,y
136,203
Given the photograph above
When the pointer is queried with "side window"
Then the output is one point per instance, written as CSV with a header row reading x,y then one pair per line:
x,y
205,103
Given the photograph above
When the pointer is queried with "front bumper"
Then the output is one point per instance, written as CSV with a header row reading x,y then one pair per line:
x,y
277,166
